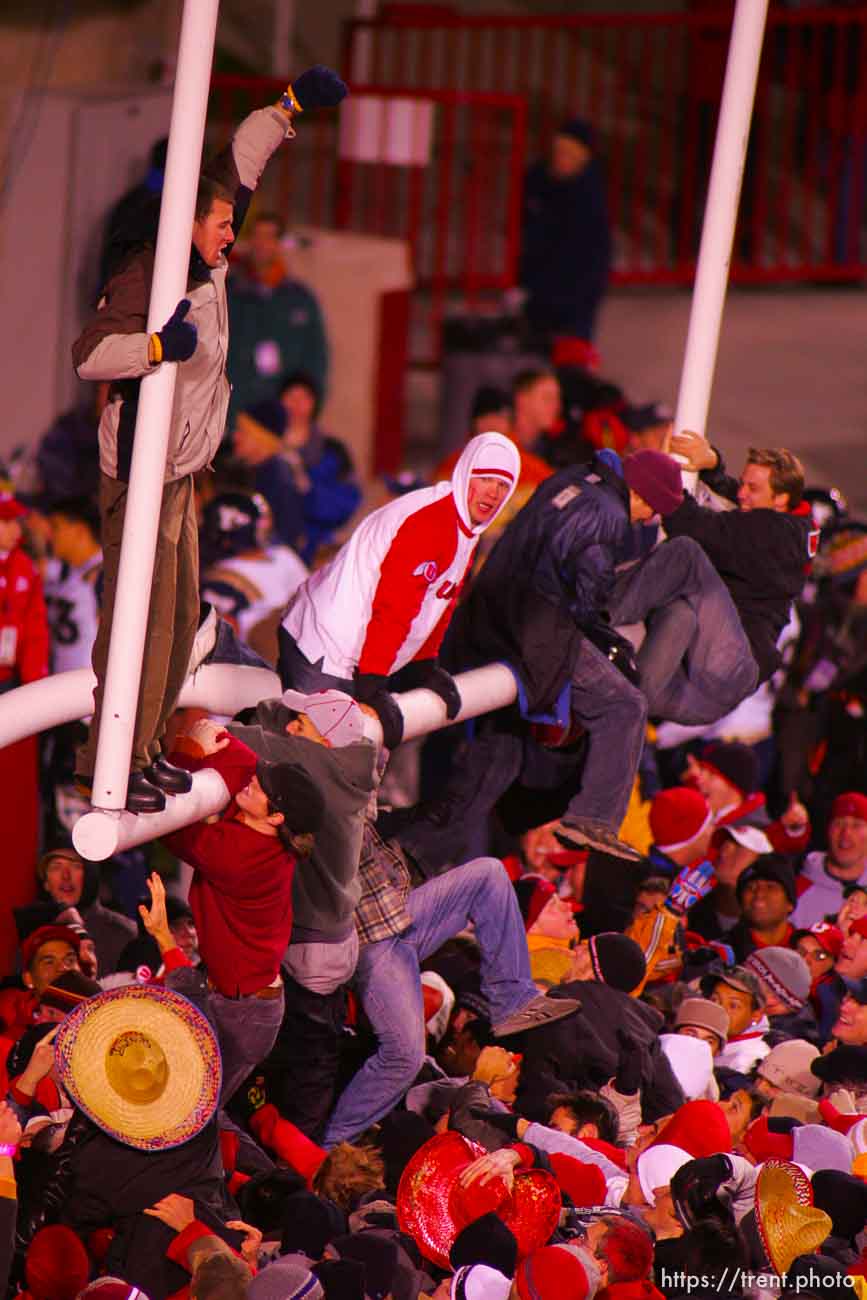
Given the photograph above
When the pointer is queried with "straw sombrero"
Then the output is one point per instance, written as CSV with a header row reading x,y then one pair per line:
x,y
143,1063
788,1223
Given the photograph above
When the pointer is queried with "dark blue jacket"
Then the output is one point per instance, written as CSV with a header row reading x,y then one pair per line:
x,y
565,248
308,520
547,580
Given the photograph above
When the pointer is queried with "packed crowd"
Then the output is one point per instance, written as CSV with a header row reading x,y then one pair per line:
x,y
589,1017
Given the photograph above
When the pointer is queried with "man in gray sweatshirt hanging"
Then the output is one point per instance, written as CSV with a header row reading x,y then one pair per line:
x,y
328,743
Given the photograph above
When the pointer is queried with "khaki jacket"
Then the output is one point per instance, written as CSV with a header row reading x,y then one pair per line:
x,y
114,344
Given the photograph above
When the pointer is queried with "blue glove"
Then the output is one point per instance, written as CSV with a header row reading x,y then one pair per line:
x,y
177,339
318,87
691,884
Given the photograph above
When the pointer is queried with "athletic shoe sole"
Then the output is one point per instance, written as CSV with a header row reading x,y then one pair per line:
x,y
575,838
536,1015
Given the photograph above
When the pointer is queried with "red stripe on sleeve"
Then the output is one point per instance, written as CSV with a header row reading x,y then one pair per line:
x,y
425,536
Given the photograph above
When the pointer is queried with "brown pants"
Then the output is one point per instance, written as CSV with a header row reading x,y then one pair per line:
x,y
173,617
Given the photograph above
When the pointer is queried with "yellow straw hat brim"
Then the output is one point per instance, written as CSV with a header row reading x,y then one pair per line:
x,y
788,1223
184,1038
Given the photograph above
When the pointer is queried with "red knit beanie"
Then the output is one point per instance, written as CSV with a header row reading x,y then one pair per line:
x,y
677,816
533,893
629,1251
699,1127
57,1265
584,1184
552,1273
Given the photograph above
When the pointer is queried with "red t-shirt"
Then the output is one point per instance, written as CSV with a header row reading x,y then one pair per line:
x,y
241,895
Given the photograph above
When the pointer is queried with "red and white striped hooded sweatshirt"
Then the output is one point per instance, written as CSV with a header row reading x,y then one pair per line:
x,y
387,596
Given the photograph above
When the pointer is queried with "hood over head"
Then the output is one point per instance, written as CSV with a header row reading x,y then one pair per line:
x,y
489,455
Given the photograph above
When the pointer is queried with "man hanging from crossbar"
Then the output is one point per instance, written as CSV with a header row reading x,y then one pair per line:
x,y
115,346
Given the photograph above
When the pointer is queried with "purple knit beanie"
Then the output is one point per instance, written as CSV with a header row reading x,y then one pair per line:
x,y
656,479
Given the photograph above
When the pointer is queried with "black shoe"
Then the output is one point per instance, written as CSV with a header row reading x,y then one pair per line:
x,y
165,776
142,796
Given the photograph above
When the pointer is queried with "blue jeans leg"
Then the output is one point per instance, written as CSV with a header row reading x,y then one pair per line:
x,y
247,1030
614,714
388,983
479,892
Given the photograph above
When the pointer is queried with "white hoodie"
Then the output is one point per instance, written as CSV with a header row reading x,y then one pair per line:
x,y
387,596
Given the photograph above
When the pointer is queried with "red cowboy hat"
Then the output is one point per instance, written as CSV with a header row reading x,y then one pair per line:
x,y
433,1207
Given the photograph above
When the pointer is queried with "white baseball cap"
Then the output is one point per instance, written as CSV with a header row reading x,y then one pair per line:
x,y
334,714
750,837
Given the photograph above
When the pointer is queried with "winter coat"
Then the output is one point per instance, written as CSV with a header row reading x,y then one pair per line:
x,y
285,319
114,344
704,919
388,595
307,520
109,930
111,1184
742,940
795,1024
761,556
566,248
546,580
22,608
819,895
582,1050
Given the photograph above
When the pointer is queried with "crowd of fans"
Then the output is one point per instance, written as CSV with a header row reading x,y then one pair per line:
x,y
589,1016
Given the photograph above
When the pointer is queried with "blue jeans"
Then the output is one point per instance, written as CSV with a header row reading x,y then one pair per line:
x,y
696,662
613,712
388,983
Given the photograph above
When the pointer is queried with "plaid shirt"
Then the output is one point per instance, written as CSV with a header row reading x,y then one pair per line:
x,y
385,882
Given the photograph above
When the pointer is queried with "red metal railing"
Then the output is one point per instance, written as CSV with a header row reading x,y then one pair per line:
x,y
651,85
459,212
